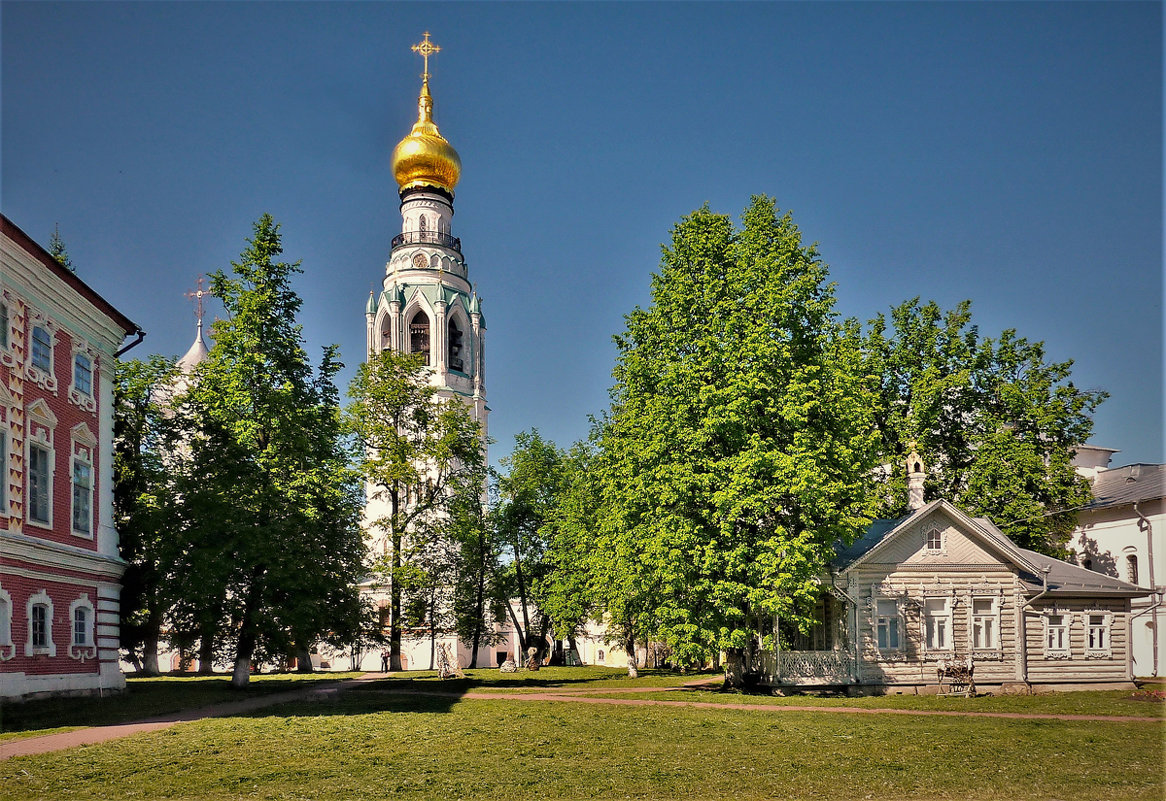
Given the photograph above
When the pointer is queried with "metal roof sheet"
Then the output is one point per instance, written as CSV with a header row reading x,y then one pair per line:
x,y
1129,484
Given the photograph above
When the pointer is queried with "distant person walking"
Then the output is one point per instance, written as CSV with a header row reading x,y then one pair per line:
x,y
384,660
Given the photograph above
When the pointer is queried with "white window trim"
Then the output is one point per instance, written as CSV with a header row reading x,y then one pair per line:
x,y
942,549
1107,651
996,616
47,447
46,380
50,648
898,622
7,647
1057,653
81,435
86,401
88,650
948,603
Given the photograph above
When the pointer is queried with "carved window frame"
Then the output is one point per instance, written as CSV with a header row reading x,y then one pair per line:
x,y
87,649
940,538
77,396
946,617
83,445
993,617
40,428
1057,637
893,624
1098,636
7,647
49,647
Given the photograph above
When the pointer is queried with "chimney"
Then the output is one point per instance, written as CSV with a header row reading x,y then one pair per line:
x,y
915,478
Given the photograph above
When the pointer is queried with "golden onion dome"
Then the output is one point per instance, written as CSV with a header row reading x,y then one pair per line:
x,y
424,157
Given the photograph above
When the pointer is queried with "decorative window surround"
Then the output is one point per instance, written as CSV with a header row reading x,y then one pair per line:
x,y
7,647
38,374
83,445
82,392
1098,630
41,424
937,625
887,624
984,625
49,648
82,617
934,541
1057,625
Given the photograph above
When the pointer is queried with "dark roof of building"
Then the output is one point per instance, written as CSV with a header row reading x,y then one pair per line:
x,y
30,245
1067,579
1130,484
870,538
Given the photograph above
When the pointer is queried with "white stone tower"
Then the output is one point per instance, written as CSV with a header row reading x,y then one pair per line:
x,y
427,304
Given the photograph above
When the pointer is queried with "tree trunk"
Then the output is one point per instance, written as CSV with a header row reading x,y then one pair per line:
x,y
150,652
303,660
518,630
629,646
734,668
245,649
479,601
206,652
132,656
394,584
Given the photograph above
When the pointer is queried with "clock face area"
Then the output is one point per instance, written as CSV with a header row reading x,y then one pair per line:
x,y
419,261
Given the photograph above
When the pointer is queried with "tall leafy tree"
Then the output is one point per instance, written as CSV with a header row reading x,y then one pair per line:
x,y
145,464
736,448
528,491
421,455
272,509
995,421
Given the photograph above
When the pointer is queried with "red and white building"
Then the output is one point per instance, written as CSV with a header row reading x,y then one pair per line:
x,y
60,570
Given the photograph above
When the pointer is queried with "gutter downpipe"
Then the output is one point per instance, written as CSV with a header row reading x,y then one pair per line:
x,y
1144,522
1024,627
141,335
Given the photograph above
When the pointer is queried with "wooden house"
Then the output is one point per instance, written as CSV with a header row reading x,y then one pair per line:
x,y
937,588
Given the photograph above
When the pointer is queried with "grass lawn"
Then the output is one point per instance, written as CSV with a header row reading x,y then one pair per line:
x,y
143,698
379,745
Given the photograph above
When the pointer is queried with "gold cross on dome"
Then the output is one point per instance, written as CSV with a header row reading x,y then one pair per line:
x,y
426,49
197,295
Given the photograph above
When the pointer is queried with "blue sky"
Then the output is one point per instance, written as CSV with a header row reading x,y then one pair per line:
x,y
1006,153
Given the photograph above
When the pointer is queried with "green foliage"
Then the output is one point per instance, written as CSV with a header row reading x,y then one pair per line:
x,y
271,506
58,252
995,423
144,500
423,457
528,492
736,449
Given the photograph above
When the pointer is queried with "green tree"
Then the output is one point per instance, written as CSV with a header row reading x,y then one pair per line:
x,y
144,467
421,454
736,450
528,490
58,252
995,422
271,508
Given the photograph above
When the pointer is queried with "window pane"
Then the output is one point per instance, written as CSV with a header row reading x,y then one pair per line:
x,y
38,484
42,350
82,492
80,626
888,609
83,375
39,623
982,606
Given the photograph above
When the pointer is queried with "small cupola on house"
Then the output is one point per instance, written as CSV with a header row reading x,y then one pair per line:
x,y
916,476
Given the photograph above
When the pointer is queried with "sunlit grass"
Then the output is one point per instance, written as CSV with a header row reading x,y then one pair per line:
x,y
380,745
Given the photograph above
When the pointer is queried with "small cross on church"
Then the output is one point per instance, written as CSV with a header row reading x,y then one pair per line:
x,y
426,49
197,295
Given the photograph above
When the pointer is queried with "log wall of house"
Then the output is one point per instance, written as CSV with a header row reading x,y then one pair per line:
x,y
1078,665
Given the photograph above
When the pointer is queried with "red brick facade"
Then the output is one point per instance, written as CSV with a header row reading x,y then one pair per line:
x,y
59,563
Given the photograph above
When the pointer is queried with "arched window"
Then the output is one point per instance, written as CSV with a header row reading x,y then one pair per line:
x,y
456,362
422,223
1132,568
601,655
419,335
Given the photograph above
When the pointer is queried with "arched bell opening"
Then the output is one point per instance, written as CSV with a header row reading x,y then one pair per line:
x,y
419,335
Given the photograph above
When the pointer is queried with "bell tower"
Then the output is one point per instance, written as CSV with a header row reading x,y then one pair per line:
x,y
427,304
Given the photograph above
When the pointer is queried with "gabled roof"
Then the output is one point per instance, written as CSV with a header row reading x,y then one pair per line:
x,y
1063,578
1130,484
873,541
